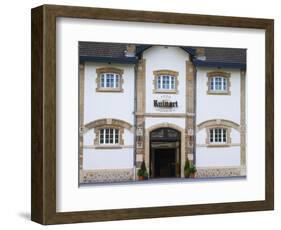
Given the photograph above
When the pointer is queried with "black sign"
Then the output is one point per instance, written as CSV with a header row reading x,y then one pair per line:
x,y
165,104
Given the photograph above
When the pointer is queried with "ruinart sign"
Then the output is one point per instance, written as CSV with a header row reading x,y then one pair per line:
x,y
165,104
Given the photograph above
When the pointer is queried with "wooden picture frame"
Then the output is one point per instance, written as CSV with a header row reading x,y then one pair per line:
x,y
43,202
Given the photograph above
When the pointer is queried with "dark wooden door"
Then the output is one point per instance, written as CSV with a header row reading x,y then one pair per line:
x,y
165,162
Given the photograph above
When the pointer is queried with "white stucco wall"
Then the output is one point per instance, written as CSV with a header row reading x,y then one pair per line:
x,y
217,156
108,158
118,105
151,121
217,106
171,58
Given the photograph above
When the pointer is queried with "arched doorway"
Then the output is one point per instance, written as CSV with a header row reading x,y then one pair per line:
x,y
165,153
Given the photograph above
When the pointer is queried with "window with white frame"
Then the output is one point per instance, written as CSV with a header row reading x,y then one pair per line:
x,y
166,82
109,136
218,136
218,83
109,80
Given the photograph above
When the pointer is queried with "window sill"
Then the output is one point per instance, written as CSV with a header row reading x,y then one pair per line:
x,y
218,145
108,147
165,91
219,92
109,90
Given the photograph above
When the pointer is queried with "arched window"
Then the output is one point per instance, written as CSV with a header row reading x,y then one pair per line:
x,y
218,83
109,79
218,131
109,132
165,81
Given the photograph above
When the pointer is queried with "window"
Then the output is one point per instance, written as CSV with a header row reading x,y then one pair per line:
x,y
218,136
165,81
109,136
218,83
109,80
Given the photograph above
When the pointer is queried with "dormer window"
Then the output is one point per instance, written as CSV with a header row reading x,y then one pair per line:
x,y
165,81
218,83
109,79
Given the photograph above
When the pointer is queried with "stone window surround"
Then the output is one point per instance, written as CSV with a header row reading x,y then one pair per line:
x,y
228,139
106,146
175,74
212,74
115,70
218,123
108,123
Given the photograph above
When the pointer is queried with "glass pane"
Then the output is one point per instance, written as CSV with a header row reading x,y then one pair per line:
x,y
224,135
106,136
172,133
212,84
211,135
116,136
224,84
102,80
117,80
173,86
101,136
158,133
159,82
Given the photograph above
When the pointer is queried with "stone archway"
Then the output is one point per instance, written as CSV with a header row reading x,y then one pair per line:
x,y
182,146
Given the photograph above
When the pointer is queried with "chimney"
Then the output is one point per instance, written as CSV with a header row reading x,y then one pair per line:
x,y
200,53
130,50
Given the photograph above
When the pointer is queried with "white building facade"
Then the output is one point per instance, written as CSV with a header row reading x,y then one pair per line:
x,y
161,105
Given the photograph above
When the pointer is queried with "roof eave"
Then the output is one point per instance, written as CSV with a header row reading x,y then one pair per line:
x,y
122,60
234,65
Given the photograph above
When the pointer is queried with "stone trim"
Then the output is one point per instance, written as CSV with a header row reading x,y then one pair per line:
x,y
141,108
212,74
99,71
166,114
81,111
208,172
218,123
243,118
190,109
106,175
108,122
147,140
214,145
110,147
175,74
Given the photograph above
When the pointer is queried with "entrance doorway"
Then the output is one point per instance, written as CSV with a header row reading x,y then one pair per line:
x,y
164,153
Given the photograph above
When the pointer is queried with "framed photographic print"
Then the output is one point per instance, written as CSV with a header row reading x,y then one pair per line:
x,y
141,114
